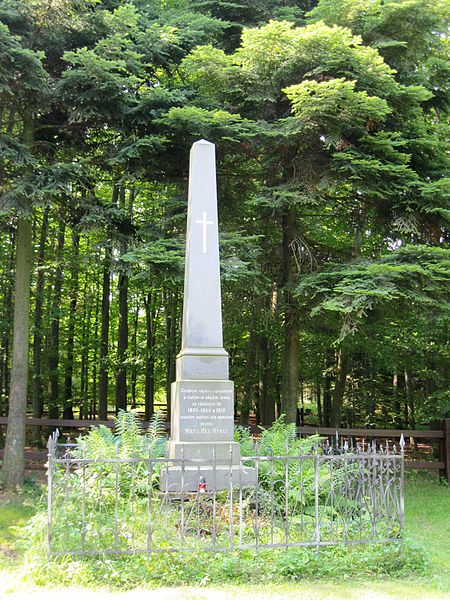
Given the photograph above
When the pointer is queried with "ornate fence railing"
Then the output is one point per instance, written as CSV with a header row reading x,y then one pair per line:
x,y
114,505
435,443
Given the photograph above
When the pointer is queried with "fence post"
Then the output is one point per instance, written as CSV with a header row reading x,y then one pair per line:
x,y
51,445
316,499
402,484
445,451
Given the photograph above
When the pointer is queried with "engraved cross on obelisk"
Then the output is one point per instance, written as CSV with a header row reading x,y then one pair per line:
x,y
202,419
204,222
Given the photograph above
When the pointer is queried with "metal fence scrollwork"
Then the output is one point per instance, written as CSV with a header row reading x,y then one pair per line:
x,y
335,494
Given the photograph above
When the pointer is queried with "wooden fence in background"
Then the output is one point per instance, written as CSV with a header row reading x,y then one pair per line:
x,y
439,437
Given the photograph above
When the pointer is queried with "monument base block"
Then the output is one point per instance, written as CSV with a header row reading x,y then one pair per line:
x,y
222,453
209,478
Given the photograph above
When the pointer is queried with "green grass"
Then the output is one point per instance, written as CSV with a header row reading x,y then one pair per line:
x,y
15,511
418,568
427,521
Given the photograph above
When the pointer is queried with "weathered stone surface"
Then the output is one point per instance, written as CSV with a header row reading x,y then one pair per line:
x,y
200,365
218,452
202,310
202,417
187,479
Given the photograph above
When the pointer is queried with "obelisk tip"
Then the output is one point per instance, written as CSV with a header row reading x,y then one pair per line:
x,y
203,143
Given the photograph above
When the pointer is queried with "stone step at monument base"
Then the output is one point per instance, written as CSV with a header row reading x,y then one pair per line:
x,y
206,478
211,452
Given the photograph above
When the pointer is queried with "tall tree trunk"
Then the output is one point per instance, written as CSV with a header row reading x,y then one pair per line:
x,y
171,302
104,338
68,377
291,322
249,372
122,335
290,365
134,350
38,400
301,412
14,457
122,344
370,402
343,360
150,324
266,397
53,345
2,403
397,405
339,388
6,336
319,404
327,390
85,346
409,385
400,396
94,392
266,307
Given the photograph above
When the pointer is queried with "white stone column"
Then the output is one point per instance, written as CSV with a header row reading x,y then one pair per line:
x,y
202,395
202,354
202,419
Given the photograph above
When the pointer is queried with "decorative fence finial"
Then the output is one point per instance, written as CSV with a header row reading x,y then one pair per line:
x,y
52,441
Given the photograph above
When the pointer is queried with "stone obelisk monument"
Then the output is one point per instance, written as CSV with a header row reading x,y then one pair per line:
x,y
202,419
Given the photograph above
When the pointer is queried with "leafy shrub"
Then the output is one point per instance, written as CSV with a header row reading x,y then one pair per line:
x,y
128,440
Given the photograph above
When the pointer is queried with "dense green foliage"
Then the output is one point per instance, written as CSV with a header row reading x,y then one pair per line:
x,y
330,121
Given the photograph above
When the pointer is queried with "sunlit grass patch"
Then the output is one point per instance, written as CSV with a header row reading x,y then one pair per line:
x,y
418,563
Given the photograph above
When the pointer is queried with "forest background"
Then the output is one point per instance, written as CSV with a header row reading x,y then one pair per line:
x,y
330,120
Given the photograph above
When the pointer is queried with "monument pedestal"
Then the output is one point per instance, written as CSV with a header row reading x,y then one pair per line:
x,y
203,437
188,478
220,453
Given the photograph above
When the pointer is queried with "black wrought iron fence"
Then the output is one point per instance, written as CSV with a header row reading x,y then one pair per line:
x,y
115,505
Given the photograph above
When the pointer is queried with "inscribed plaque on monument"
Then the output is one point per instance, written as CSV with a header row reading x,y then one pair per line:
x,y
206,411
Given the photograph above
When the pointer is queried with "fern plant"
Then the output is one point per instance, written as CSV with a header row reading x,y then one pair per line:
x,y
281,440
128,441
156,436
246,442
99,443
129,433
